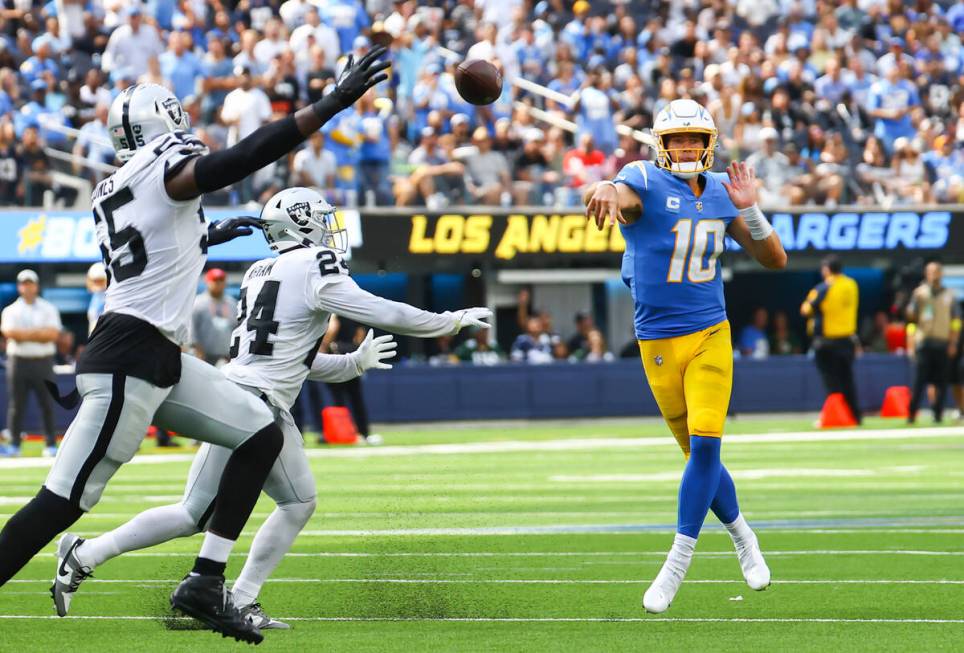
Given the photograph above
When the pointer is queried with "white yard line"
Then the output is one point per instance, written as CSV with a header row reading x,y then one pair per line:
x,y
794,620
548,554
531,581
569,444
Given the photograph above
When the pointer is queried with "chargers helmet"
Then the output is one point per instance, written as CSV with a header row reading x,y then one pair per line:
x,y
300,217
684,116
141,113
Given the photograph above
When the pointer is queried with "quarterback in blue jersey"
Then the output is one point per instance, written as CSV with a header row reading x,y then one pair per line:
x,y
674,215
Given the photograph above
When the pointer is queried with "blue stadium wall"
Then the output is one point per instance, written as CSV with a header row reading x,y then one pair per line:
x,y
422,393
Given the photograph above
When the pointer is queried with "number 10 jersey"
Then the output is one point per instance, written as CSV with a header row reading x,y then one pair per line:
x,y
154,247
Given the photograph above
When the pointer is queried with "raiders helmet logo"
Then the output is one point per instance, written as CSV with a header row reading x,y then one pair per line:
x,y
173,108
299,213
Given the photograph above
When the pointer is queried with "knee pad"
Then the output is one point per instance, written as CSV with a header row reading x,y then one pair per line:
x,y
191,517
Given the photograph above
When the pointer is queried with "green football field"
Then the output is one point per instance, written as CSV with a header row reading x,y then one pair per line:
x,y
543,537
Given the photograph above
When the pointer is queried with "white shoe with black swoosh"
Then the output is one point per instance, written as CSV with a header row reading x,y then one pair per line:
x,y
70,573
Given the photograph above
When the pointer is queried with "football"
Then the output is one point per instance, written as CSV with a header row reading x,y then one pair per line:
x,y
478,82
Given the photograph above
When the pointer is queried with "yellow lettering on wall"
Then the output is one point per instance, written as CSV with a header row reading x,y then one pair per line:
x,y
417,242
448,233
571,233
476,237
616,241
543,233
515,239
597,240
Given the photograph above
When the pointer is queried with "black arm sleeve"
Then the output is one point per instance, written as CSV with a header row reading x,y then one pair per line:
x,y
265,145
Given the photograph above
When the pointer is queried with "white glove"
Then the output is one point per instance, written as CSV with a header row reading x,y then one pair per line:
x,y
472,317
373,351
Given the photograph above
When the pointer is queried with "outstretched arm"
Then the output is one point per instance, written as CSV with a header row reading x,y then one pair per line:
x,y
609,202
371,354
272,141
751,228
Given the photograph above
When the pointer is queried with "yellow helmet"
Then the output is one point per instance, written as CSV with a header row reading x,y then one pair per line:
x,y
679,117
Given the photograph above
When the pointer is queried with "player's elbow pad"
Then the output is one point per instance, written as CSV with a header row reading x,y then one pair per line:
x,y
265,145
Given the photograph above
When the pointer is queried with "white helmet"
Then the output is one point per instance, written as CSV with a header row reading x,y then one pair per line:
x,y
684,116
300,217
141,113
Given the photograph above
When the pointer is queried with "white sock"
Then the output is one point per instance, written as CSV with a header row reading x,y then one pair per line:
x,y
147,529
683,547
740,531
271,543
216,548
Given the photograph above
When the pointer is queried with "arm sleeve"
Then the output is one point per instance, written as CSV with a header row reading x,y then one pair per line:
x,y
265,145
343,297
334,368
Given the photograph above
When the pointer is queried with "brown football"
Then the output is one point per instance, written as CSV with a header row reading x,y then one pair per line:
x,y
478,81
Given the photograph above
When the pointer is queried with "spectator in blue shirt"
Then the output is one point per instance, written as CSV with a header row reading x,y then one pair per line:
x,y
595,111
218,78
348,17
33,68
890,102
831,85
531,347
343,138
753,340
375,153
180,67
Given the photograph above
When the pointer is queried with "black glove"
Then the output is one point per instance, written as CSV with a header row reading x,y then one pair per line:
x,y
357,78
230,228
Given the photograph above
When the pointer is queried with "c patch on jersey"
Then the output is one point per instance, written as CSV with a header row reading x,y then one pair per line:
x,y
672,204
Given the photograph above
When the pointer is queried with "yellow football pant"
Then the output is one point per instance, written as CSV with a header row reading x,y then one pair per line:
x,y
691,378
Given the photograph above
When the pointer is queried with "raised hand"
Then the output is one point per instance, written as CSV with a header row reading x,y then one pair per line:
x,y
742,186
358,77
603,206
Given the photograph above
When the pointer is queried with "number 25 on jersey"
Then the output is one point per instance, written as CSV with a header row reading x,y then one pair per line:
x,y
694,242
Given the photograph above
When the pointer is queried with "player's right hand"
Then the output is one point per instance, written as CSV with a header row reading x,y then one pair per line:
x,y
358,77
472,317
603,206
373,351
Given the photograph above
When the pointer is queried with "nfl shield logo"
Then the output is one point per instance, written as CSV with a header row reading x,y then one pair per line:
x,y
699,205
658,360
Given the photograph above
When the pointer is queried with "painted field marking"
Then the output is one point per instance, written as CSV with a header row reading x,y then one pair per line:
x,y
824,620
547,554
568,444
794,620
531,581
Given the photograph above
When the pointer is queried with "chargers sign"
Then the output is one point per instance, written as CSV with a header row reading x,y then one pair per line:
x,y
847,231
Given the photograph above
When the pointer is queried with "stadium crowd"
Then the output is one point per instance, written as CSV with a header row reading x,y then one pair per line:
x,y
858,101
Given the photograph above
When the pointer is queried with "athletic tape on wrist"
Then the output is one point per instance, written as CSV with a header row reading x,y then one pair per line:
x,y
760,229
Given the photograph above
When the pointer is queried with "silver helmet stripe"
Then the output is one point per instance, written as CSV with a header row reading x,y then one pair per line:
x,y
126,118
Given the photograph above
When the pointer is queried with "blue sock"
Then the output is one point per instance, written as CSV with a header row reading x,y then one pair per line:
x,y
701,480
725,506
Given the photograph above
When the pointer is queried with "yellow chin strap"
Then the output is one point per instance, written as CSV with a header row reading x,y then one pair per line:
x,y
705,162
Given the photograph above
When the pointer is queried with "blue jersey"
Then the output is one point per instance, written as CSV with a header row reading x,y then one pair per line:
x,y
670,264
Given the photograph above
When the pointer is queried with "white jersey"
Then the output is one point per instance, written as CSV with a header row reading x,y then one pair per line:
x,y
154,247
283,314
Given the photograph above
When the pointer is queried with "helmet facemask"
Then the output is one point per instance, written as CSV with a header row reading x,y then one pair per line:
x,y
686,169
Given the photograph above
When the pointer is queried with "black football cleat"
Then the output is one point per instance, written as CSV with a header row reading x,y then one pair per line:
x,y
206,599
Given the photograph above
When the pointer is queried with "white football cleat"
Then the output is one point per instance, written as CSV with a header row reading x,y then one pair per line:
x,y
754,567
661,593
70,573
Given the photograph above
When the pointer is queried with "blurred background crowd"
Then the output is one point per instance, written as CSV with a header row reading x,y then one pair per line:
x,y
850,102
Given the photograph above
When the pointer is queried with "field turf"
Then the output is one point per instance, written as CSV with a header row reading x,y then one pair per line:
x,y
543,537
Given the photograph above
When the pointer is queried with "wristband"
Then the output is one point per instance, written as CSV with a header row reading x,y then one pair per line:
x,y
760,229
608,181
